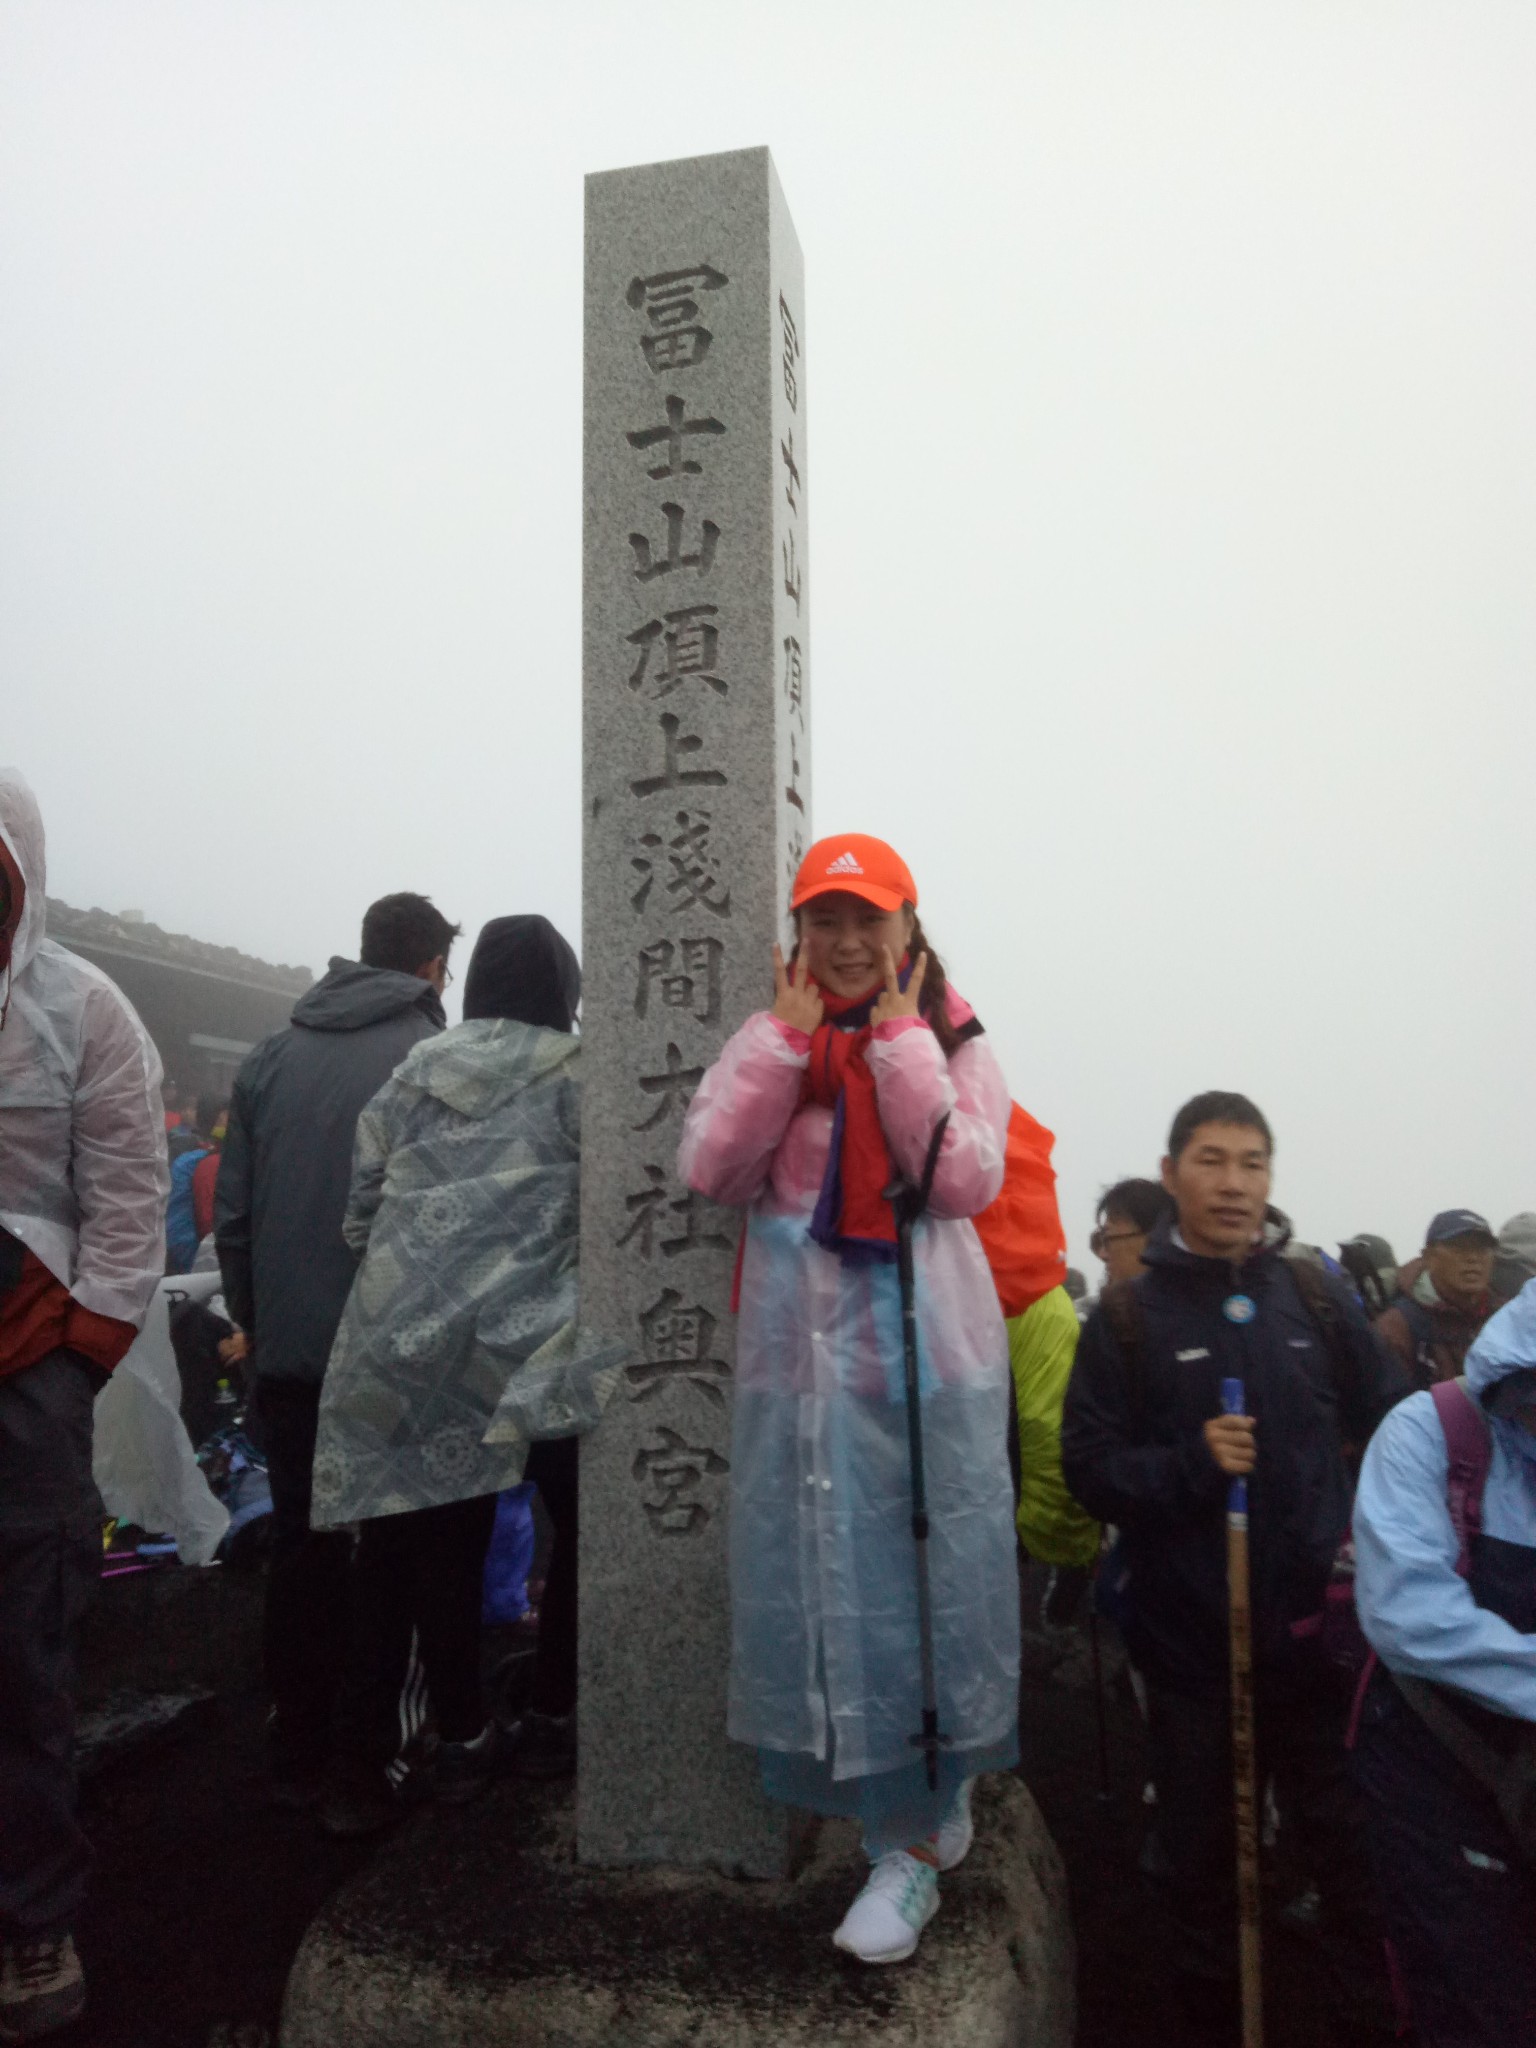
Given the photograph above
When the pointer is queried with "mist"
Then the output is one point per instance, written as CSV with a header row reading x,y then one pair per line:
x,y
1171,481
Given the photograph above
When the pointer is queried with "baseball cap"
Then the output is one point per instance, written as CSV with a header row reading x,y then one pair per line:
x,y
855,865
1459,1223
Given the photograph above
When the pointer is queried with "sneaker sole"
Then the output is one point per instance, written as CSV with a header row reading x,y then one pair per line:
x,y
889,1955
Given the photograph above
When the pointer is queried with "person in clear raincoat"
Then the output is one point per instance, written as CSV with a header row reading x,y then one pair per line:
x,y
810,1113
83,1184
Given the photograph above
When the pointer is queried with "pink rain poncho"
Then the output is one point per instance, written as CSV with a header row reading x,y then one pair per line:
x,y
824,1659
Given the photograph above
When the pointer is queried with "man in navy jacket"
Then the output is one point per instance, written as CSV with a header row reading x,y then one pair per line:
x,y
1146,1447
282,1192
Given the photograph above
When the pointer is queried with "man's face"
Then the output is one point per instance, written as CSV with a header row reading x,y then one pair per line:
x,y
1220,1182
1460,1268
1121,1245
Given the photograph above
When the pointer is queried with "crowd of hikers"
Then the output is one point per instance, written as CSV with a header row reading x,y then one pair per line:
x,y
393,1208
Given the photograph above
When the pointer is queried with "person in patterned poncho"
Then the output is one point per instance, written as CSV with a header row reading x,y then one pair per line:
x,y
465,1208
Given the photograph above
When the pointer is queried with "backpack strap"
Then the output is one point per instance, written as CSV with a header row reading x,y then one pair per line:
x,y
1421,1324
1318,1301
1469,1448
1315,1297
1321,1304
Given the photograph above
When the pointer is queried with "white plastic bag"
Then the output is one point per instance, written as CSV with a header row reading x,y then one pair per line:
x,y
143,1461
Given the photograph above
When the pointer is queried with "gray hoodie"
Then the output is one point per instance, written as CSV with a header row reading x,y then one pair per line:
x,y
287,1164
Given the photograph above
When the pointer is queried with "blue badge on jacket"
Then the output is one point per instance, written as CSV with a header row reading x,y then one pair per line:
x,y
1239,1308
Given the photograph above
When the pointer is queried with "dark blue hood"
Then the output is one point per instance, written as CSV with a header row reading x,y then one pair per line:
x,y
350,997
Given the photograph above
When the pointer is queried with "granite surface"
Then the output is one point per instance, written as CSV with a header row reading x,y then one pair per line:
x,y
696,793
478,1927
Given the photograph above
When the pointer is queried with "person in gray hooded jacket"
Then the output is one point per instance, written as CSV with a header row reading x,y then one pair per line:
x,y
288,1269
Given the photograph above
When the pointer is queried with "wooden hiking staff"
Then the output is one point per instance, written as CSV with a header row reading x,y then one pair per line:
x,y
1244,1761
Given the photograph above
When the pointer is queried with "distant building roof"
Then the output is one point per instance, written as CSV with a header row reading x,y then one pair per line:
x,y
105,932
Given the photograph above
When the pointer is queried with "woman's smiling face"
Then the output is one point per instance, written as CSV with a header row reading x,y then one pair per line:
x,y
845,940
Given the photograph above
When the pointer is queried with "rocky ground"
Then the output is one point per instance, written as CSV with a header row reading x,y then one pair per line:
x,y
202,1893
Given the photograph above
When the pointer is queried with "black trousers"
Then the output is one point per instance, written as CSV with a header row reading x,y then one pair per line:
x,y
1300,1724
307,1614
1460,1905
418,1574
50,1560
554,1468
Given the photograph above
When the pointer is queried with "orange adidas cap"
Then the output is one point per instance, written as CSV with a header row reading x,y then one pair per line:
x,y
858,866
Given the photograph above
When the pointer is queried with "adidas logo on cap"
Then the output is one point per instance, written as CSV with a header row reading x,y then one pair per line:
x,y
845,864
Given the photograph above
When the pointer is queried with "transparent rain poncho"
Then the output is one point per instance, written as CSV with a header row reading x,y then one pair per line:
x,y
83,1177
824,1661
458,1345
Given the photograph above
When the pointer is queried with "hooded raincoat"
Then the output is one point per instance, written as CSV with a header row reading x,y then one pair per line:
x,y
824,1653
83,1180
1454,1869
465,1210
1418,1614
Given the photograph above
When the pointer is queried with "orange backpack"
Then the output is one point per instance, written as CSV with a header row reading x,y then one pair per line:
x,y
1021,1233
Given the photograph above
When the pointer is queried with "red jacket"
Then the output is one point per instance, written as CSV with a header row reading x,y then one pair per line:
x,y
205,1177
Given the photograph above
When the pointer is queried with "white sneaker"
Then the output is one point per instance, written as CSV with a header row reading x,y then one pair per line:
x,y
896,1904
952,1843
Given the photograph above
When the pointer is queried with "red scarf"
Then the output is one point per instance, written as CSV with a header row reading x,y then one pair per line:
x,y
853,1216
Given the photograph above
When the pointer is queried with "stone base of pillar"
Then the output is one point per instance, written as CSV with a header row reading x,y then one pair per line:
x,y
477,1927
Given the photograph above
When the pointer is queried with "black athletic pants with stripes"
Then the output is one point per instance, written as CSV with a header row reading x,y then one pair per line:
x,y
419,1573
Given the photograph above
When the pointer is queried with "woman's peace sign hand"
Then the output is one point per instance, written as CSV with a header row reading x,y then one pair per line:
x,y
894,1000
797,1000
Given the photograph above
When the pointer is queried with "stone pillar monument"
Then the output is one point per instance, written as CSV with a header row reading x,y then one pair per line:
x,y
696,802
477,1924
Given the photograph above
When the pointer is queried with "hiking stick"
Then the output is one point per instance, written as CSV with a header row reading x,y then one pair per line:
x,y
909,1203
1244,1766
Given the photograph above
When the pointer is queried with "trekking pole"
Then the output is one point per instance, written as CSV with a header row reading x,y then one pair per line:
x,y
1244,1767
909,1204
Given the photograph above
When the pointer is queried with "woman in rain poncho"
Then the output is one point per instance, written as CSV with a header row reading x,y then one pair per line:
x,y
809,1115
456,1351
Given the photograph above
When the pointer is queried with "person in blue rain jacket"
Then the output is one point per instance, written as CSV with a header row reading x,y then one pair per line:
x,y
1450,1713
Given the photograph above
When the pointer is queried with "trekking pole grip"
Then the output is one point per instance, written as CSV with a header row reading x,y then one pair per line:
x,y
1233,1403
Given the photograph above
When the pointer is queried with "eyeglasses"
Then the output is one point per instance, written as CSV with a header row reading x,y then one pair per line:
x,y
1101,1238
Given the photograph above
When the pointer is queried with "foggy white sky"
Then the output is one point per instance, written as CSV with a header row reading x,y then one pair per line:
x,y
1173,487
